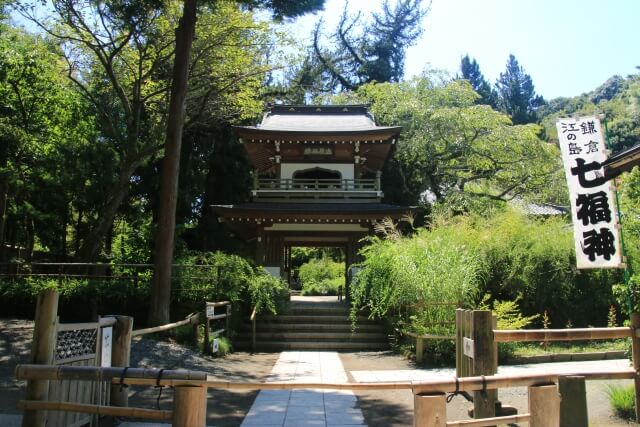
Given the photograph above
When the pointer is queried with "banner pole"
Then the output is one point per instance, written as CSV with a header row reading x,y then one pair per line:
x,y
627,268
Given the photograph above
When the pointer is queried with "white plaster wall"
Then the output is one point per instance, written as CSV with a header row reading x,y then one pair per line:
x,y
274,271
287,169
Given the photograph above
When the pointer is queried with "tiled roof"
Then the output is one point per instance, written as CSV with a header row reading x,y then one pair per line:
x,y
318,118
542,209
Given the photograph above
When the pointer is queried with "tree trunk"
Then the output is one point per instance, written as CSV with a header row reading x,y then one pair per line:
x,y
163,257
4,190
91,244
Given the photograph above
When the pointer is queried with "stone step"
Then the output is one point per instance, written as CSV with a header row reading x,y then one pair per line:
x,y
312,345
315,319
315,336
318,327
317,311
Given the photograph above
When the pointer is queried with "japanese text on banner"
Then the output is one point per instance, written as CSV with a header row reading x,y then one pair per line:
x,y
593,209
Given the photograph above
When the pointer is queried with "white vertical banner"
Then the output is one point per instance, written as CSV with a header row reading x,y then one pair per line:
x,y
593,203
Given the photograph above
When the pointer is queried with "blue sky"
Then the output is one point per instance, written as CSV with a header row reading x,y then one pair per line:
x,y
567,46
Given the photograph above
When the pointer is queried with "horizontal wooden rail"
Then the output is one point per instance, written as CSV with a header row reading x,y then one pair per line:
x,y
577,334
218,304
431,336
485,422
140,376
191,319
92,373
114,411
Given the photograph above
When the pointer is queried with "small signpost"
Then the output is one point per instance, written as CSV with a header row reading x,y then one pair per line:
x,y
215,311
105,359
467,347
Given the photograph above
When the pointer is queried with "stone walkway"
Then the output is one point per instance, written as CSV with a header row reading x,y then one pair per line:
x,y
306,407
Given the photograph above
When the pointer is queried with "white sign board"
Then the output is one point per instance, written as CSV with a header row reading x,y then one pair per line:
x,y
105,359
593,204
468,348
215,345
211,311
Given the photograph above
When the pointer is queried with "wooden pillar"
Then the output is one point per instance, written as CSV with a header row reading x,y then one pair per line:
x,y
429,410
260,248
195,330
635,346
42,353
573,402
459,336
207,332
189,406
419,350
544,406
484,402
120,356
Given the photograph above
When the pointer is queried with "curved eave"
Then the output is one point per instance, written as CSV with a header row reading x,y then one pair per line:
x,y
379,133
273,211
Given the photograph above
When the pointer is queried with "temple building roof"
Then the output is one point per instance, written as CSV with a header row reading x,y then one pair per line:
x,y
319,120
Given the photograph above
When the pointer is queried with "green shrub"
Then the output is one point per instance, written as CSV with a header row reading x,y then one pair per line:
x,y
322,277
622,400
267,293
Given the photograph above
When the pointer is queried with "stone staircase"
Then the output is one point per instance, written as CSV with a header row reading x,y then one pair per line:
x,y
313,323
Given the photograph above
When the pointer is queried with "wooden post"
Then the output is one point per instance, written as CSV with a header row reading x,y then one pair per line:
x,y
195,330
419,349
544,406
42,353
573,402
484,402
207,331
635,345
190,406
120,356
228,320
459,335
430,410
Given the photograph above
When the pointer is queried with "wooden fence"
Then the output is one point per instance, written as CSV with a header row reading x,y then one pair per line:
x,y
49,383
68,345
190,393
476,354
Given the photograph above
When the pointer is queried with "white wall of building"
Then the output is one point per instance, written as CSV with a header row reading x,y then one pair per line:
x,y
287,169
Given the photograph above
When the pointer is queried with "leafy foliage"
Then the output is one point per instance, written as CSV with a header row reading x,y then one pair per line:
x,y
517,96
322,276
452,147
514,258
622,400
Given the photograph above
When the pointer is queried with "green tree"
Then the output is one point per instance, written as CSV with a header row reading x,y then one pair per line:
x,y
164,242
40,121
516,94
451,147
470,70
363,52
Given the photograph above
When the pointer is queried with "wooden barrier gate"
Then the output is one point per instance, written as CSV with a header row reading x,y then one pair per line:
x,y
68,344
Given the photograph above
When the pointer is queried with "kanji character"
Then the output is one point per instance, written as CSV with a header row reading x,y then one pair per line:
x,y
581,169
593,208
598,244
574,149
588,127
592,146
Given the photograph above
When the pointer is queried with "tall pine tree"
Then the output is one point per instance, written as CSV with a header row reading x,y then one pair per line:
x,y
516,94
470,70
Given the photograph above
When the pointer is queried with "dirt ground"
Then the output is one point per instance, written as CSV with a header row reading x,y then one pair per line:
x,y
227,409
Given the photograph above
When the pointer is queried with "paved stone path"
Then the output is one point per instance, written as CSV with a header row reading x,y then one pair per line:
x,y
305,407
